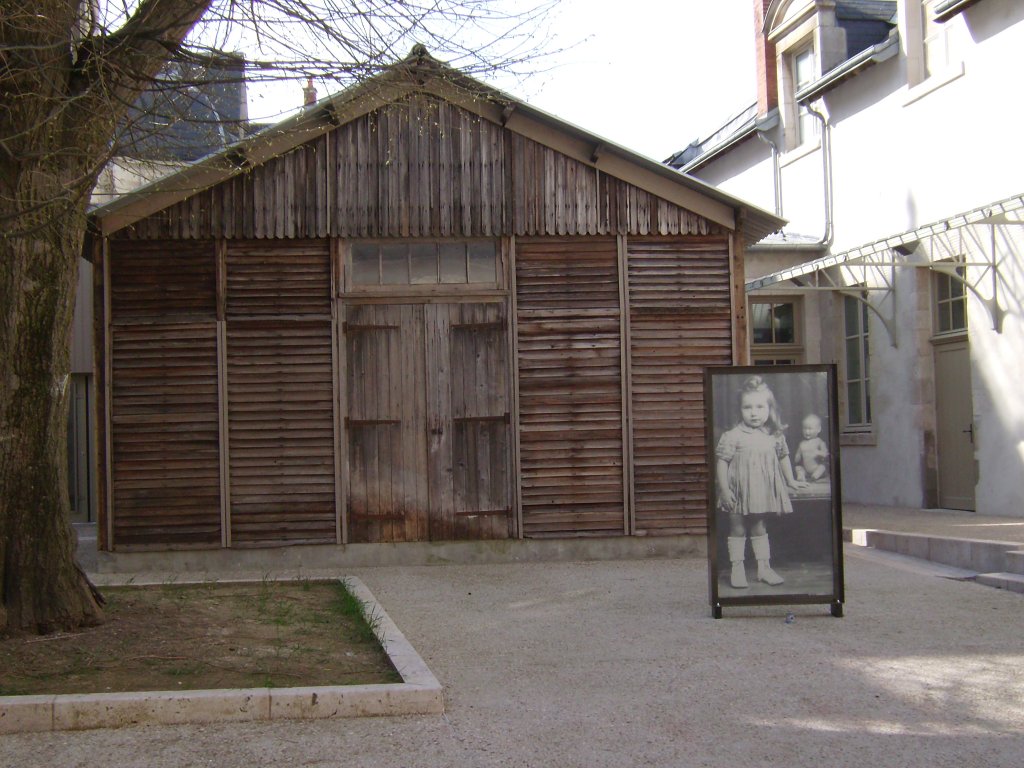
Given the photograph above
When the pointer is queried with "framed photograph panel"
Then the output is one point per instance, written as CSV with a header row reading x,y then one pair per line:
x,y
774,496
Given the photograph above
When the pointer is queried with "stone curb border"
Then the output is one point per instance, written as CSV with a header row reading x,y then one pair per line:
x,y
979,555
418,694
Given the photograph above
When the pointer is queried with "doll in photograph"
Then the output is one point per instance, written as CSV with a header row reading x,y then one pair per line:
x,y
810,462
753,475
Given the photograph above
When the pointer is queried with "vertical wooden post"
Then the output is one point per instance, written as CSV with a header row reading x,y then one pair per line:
x,y
108,392
221,249
513,336
626,367
338,371
738,298
101,393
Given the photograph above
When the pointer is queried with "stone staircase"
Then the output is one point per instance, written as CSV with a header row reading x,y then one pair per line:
x,y
993,563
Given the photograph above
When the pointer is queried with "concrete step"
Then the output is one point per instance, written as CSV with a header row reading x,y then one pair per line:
x,y
1015,561
907,564
1013,582
976,555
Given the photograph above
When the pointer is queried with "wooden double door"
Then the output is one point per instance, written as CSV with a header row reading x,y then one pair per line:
x,y
427,422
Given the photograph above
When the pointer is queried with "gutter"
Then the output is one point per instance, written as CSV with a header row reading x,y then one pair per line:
x,y
869,56
946,10
748,130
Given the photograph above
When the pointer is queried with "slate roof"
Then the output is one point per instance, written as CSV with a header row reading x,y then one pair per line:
x,y
190,110
867,23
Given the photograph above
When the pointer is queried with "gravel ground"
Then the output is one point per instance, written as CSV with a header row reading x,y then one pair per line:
x,y
619,664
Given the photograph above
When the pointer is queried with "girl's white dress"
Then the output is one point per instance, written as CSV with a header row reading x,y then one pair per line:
x,y
755,470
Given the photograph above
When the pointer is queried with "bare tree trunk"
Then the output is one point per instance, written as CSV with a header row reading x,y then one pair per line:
x,y
43,588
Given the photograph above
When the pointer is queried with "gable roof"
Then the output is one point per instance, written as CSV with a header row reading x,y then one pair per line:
x,y
421,73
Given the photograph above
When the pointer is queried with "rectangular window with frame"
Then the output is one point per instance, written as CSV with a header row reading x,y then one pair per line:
x,y
424,263
934,40
804,73
858,362
950,301
775,337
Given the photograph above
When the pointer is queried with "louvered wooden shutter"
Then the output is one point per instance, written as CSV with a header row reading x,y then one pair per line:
x,y
679,324
570,397
164,416
280,392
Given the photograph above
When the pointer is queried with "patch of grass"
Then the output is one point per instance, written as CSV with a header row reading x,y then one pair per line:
x,y
186,637
366,624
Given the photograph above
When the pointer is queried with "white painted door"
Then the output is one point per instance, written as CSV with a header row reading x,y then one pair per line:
x,y
954,420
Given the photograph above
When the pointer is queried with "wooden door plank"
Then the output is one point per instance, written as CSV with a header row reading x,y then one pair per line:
x,y
437,331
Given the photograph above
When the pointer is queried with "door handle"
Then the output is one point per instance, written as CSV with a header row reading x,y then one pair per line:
x,y
970,431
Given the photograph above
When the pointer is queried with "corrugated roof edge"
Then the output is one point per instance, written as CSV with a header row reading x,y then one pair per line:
x,y
413,74
973,216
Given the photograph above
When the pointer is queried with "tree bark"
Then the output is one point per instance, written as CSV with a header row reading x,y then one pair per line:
x,y
63,89
43,588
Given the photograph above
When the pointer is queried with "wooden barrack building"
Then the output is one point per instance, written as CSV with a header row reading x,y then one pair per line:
x,y
419,310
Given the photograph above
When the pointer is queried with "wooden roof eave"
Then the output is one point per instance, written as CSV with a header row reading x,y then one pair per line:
x,y
254,150
427,75
606,156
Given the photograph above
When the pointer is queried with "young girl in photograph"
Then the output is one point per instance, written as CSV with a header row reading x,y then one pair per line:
x,y
753,474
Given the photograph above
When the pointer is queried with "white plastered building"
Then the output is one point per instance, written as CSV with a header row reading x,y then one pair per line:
x,y
888,135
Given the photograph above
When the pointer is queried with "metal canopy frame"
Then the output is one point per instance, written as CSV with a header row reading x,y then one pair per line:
x,y
868,273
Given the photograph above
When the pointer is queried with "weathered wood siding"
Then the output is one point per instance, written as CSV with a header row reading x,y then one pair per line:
x,y
480,480
385,423
420,168
427,422
679,323
280,392
260,397
570,386
164,403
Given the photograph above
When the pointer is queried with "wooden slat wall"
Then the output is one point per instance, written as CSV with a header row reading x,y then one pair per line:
x,y
481,457
280,393
570,396
286,197
421,167
164,421
385,423
679,323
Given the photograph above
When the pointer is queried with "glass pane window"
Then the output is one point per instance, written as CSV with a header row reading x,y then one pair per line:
x,y
775,337
453,263
950,301
365,264
804,73
773,322
425,263
394,265
783,324
482,268
857,355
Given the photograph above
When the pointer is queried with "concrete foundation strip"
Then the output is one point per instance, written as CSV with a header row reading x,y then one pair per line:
x,y
418,693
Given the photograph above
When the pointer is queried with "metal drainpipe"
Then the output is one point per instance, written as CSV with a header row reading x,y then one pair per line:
x,y
826,168
776,170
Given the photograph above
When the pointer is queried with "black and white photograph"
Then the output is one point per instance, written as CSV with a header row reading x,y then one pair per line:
x,y
773,487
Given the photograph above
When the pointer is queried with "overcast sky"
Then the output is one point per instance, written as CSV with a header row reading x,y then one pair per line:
x,y
653,75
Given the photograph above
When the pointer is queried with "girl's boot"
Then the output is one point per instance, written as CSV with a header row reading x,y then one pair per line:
x,y
737,552
763,555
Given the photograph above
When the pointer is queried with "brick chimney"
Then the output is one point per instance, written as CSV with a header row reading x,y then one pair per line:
x,y
767,77
309,93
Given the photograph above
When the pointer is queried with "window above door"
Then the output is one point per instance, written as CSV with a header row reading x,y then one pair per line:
x,y
413,266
